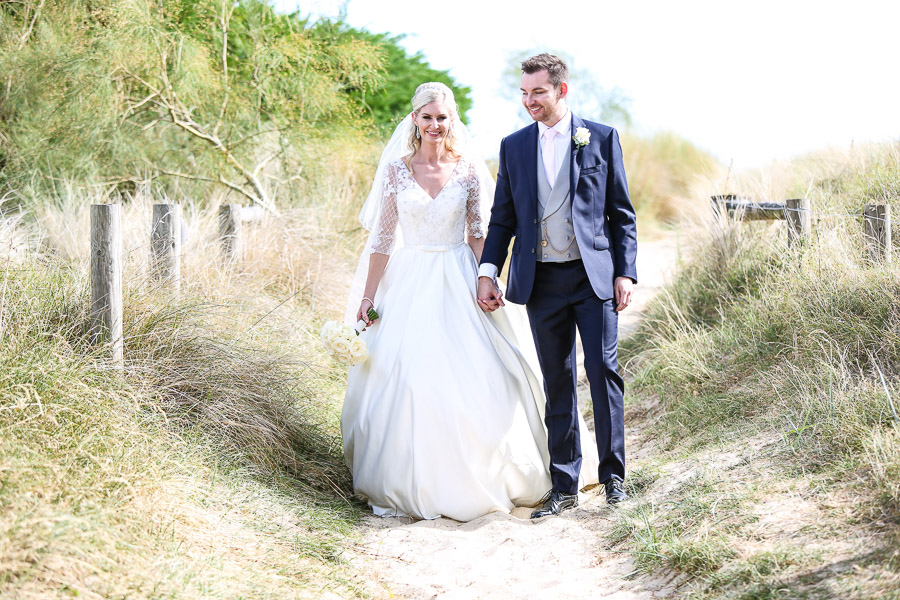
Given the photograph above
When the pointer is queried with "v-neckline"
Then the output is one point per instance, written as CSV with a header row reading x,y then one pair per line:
x,y
421,187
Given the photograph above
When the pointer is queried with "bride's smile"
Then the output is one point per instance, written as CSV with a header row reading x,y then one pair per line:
x,y
433,121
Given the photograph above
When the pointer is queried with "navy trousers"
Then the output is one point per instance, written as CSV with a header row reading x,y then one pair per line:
x,y
562,298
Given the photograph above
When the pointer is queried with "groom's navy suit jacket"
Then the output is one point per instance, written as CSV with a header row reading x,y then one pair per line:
x,y
602,213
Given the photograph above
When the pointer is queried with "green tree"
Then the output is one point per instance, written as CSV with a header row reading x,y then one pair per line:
x,y
211,91
389,100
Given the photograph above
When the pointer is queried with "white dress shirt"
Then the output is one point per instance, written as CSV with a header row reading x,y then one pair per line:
x,y
561,144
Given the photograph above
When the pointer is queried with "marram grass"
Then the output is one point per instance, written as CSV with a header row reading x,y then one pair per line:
x,y
789,356
209,468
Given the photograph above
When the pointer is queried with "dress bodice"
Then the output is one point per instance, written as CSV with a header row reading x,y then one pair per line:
x,y
423,220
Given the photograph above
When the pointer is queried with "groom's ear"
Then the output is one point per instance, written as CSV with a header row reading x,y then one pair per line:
x,y
563,89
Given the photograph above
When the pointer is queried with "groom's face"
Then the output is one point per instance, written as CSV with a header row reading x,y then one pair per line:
x,y
543,101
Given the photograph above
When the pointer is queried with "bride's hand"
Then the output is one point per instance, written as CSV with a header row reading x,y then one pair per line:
x,y
490,298
363,313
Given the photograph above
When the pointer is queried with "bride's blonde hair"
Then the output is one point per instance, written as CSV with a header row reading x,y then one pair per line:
x,y
426,93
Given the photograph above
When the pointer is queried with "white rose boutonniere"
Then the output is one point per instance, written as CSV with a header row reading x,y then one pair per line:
x,y
582,137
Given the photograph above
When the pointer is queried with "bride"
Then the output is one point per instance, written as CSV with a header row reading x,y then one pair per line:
x,y
445,418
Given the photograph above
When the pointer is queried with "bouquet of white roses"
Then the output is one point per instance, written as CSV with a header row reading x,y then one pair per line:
x,y
343,343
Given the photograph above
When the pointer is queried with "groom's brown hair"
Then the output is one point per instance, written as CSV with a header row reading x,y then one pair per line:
x,y
551,63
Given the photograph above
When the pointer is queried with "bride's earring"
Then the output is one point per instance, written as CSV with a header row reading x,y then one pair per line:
x,y
418,135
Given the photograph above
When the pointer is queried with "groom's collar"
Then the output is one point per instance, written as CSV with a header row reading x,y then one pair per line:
x,y
563,127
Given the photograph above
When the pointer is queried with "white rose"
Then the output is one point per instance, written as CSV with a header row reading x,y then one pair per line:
x,y
358,351
582,136
340,345
329,331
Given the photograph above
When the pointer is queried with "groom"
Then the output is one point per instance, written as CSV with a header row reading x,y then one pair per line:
x,y
561,192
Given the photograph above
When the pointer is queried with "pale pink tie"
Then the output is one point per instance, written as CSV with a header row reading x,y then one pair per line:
x,y
548,150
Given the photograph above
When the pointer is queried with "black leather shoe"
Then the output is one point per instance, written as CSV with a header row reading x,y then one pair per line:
x,y
554,503
615,491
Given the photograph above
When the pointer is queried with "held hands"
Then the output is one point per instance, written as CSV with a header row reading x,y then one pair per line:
x,y
490,298
624,287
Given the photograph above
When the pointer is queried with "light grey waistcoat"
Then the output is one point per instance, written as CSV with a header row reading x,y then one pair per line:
x,y
555,207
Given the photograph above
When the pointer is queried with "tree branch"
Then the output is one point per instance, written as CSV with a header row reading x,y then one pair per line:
x,y
263,163
27,33
167,100
132,109
221,180
246,138
225,21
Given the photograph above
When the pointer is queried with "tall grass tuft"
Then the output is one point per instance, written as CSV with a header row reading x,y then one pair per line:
x,y
797,344
210,466
254,404
208,357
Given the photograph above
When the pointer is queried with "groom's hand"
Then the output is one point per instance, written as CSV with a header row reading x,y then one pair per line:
x,y
623,288
490,298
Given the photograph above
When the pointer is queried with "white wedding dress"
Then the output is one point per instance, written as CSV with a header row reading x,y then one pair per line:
x,y
445,418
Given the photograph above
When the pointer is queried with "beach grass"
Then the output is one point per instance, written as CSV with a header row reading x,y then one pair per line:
x,y
773,370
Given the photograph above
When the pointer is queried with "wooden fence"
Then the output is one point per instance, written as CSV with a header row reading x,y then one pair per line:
x,y
166,228
165,259
798,214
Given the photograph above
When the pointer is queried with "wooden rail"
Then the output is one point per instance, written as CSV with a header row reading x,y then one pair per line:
x,y
742,206
798,214
795,211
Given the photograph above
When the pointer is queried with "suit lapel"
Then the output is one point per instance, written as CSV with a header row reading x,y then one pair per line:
x,y
575,167
531,158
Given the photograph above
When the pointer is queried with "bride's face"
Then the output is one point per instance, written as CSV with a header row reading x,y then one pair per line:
x,y
434,121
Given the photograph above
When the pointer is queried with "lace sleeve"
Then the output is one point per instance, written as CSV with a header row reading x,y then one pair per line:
x,y
474,226
386,229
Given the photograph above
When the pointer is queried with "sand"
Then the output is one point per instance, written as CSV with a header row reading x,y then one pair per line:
x,y
501,556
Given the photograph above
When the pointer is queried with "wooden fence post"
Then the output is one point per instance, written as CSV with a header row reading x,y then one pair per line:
x,y
799,219
877,229
165,244
253,214
230,230
106,277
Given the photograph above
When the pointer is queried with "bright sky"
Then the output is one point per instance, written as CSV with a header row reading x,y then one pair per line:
x,y
749,81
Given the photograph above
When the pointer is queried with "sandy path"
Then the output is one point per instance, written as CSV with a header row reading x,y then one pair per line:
x,y
500,556
509,556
